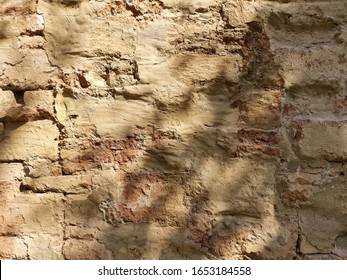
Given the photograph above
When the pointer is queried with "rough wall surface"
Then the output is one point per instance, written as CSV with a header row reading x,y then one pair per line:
x,y
171,129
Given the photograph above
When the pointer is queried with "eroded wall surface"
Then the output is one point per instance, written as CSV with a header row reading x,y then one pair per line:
x,y
171,129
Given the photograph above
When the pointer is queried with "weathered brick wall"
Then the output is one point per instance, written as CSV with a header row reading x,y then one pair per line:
x,y
171,129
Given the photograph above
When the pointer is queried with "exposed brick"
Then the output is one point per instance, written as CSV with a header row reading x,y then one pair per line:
x,y
10,172
35,69
12,248
259,142
75,249
193,67
7,101
322,139
94,154
260,110
17,6
45,247
27,140
25,214
60,184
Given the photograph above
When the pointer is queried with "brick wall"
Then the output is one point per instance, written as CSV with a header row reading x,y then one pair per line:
x,y
170,129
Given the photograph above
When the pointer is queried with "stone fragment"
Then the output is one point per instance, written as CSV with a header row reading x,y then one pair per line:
x,y
259,142
241,187
7,101
266,238
197,112
260,110
320,231
192,68
10,53
32,214
121,44
35,69
37,105
173,157
22,113
88,115
238,13
178,154
20,25
323,220
151,61
311,66
45,247
68,45
322,140
340,246
82,233
17,6
59,184
75,249
32,42
42,100
11,171
318,98
10,176
24,141
307,25
12,248
41,168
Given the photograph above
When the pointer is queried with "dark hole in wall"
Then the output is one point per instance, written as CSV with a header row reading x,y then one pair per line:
x,y
82,80
19,96
24,188
69,2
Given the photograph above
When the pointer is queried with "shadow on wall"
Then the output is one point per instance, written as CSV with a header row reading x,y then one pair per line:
x,y
205,193
223,191
209,192
314,94
197,181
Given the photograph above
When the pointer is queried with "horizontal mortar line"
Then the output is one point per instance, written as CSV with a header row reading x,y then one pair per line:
x,y
26,203
11,235
259,129
12,161
320,118
30,191
307,48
